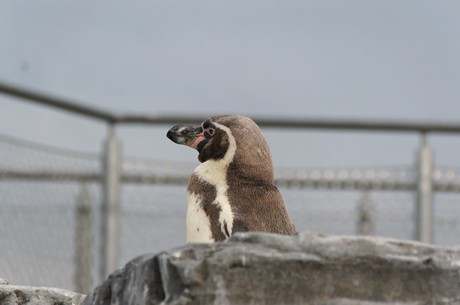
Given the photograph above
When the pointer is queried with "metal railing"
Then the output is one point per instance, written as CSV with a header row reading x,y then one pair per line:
x,y
423,184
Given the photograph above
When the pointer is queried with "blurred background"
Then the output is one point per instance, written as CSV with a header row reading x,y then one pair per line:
x,y
340,60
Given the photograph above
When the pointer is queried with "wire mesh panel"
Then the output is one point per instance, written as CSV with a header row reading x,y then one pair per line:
x,y
39,191
36,233
50,209
447,218
153,211
153,219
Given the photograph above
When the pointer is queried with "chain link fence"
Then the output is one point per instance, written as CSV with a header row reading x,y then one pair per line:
x,y
50,205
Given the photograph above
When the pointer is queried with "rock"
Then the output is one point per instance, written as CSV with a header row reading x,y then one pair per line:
x,y
24,295
309,268
3,282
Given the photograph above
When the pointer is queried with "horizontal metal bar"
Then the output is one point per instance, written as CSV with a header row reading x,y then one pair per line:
x,y
360,124
57,102
152,119
349,184
49,176
269,122
298,183
305,123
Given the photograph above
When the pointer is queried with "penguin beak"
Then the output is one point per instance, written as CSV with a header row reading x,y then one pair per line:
x,y
187,135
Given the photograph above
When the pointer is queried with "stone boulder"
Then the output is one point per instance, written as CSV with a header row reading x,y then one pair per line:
x,y
24,295
309,268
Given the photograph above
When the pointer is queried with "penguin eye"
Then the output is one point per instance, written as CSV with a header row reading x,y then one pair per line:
x,y
209,132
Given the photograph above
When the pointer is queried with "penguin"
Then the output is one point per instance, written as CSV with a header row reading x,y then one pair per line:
x,y
232,189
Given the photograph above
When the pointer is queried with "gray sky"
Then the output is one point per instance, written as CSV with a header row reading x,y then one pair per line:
x,y
348,59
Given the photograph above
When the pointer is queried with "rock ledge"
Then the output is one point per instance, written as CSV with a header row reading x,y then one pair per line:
x,y
25,295
309,268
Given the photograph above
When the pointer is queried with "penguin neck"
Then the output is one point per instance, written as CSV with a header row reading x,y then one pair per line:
x,y
215,171
251,173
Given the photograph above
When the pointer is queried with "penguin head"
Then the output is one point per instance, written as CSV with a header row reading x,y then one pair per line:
x,y
234,140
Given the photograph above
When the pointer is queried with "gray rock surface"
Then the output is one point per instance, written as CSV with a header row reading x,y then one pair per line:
x,y
310,268
25,295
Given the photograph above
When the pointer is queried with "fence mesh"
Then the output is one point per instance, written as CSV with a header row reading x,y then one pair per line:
x,y
43,223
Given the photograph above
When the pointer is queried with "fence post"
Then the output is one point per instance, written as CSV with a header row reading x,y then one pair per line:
x,y
365,224
424,208
83,242
111,204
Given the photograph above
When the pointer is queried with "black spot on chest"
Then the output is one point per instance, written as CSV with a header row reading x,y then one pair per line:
x,y
203,189
213,211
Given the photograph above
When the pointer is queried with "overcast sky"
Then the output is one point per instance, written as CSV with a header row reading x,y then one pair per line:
x,y
345,59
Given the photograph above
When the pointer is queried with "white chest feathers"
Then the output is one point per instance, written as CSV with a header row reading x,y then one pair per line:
x,y
198,224
210,217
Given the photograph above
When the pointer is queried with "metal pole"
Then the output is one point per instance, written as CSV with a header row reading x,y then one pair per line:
x,y
83,247
111,204
424,230
365,225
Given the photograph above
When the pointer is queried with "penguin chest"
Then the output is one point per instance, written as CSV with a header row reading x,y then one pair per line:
x,y
209,214
198,223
